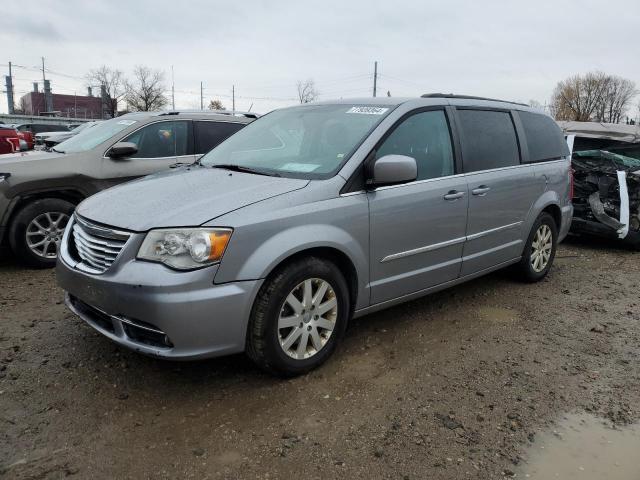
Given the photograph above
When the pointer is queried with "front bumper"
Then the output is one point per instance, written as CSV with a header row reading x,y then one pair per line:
x,y
161,312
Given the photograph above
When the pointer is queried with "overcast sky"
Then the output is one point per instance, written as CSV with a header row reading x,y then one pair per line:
x,y
511,50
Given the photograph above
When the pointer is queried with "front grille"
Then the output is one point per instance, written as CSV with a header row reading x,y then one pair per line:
x,y
96,246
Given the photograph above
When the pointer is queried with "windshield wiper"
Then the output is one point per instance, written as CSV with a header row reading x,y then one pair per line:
x,y
240,168
55,150
180,164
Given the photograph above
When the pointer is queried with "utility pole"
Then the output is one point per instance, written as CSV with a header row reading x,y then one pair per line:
x,y
233,98
173,93
375,77
44,90
10,102
201,100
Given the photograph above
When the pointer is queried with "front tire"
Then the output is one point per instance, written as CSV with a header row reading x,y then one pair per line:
x,y
299,317
540,249
36,231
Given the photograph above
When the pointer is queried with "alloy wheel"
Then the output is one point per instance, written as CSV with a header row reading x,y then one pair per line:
x,y
541,248
44,233
307,318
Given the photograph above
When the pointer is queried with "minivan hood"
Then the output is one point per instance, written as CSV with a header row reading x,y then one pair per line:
x,y
181,198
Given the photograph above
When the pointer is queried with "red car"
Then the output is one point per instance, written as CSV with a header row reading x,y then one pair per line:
x,y
9,139
29,130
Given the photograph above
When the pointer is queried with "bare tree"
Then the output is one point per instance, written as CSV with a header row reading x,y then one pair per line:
x,y
216,104
578,97
594,96
536,104
22,108
307,91
114,84
617,97
146,91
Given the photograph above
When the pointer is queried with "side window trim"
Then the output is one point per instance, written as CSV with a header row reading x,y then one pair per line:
x,y
489,109
522,137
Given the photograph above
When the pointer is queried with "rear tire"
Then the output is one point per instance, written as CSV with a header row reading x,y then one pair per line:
x,y
36,231
540,249
305,301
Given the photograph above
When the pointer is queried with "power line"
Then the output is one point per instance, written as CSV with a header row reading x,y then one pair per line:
x,y
408,82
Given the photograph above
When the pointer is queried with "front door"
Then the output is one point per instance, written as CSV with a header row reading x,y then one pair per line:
x,y
417,230
160,145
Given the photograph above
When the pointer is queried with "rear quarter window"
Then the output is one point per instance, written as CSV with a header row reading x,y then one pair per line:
x,y
545,140
488,140
209,134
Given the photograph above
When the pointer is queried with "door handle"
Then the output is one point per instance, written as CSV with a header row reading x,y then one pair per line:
x,y
453,195
481,190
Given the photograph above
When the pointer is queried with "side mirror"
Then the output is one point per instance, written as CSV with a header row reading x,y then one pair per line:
x,y
392,169
122,149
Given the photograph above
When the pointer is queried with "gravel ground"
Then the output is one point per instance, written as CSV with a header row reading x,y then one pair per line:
x,y
455,385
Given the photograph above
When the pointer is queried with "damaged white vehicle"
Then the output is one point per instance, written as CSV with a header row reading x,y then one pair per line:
x,y
606,167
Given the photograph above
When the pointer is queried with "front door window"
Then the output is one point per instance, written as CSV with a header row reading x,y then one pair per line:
x,y
161,139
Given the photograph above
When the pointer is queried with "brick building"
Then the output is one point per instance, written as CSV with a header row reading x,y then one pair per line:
x,y
74,106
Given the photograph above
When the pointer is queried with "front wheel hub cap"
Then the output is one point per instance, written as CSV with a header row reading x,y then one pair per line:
x,y
44,233
307,318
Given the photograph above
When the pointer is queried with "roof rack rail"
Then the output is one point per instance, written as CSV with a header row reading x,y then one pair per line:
x,y
213,112
468,97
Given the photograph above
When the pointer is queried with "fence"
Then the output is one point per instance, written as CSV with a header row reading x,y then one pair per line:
x,y
9,119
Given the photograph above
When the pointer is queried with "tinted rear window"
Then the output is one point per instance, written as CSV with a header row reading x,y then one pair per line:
x,y
488,140
210,134
545,140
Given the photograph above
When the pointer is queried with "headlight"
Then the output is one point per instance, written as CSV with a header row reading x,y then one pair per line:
x,y
185,248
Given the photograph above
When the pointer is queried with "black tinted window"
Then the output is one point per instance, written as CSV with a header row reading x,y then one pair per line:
x,y
425,137
488,140
210,134
545,140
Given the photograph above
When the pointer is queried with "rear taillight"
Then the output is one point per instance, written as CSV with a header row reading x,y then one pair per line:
x,y
571,183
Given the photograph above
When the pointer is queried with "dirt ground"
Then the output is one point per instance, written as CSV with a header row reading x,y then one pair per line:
x,y
456,385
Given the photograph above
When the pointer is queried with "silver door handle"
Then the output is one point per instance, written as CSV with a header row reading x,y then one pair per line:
x,y
481,190
453,195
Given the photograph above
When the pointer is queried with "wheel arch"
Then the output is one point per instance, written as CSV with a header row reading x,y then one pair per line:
x,y
553,209
548,202
19,202
324,241
333,255
70,195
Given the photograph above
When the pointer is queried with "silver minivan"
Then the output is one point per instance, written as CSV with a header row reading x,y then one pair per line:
x,y
313,215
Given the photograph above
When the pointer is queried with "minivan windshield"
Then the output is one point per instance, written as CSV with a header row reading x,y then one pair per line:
x,y
91,137
311,141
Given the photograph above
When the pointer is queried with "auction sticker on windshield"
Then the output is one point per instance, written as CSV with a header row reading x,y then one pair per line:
x,y
299,167
368,110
